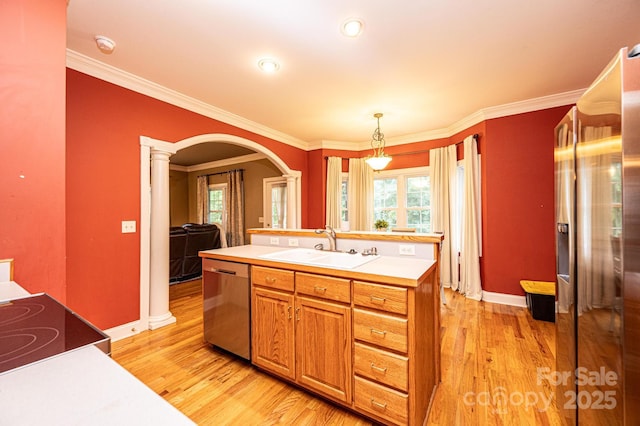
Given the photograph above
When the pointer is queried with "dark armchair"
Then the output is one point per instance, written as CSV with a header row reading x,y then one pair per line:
x,y
189,241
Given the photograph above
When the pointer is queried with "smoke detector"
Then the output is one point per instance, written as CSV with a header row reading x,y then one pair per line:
x,y
105,44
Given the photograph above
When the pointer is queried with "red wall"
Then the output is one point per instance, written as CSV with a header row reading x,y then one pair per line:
x,y
104,124
32,142
518,240
518,201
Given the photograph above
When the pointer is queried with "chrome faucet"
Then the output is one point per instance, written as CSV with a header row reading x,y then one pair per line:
x,y
331,234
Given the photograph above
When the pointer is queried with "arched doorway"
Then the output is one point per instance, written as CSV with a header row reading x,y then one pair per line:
x,y
154,217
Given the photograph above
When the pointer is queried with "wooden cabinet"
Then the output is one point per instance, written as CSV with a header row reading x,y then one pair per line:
x,y
396,354
300,332
371,347
323,347
273,347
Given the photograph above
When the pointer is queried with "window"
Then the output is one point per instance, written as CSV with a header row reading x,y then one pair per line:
x,y
344,212
385,200
217,200
418,203
403,198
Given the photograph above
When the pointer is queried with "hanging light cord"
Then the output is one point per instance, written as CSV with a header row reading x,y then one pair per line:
x,y
377,139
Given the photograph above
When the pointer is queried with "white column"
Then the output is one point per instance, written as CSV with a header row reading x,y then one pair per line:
x,y
159,314
292,202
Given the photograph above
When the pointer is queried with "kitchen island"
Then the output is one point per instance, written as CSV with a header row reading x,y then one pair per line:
x,y
365,337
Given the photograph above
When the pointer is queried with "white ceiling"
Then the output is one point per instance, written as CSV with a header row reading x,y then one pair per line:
x,y
425,64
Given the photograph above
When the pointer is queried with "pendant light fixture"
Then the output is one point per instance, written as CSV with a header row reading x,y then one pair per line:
x,y
379,160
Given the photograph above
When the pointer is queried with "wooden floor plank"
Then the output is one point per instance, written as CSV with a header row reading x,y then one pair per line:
x,y
490,357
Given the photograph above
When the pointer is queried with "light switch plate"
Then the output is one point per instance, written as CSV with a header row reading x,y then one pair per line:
x,y
128,226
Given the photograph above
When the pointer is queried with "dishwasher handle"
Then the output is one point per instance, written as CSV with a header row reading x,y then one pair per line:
x,y
225,267
223,271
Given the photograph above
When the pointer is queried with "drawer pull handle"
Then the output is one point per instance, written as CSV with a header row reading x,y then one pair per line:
x,y
270,280
380,369
319,289
377,299
289,311
379,405
297,314
378,332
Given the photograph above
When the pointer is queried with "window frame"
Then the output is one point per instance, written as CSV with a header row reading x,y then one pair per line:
x,y
217,187
401,176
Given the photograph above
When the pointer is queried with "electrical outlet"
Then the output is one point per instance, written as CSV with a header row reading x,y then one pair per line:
x,y
406,249
274,241
128,226
260,219
293,242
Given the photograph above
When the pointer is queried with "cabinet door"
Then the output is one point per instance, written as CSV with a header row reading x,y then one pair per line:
x,y
272,332
323,351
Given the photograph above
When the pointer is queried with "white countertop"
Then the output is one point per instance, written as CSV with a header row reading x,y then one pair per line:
x,y
81,387
393,270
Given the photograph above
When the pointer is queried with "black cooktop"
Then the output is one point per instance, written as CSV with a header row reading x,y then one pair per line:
x,y
38,327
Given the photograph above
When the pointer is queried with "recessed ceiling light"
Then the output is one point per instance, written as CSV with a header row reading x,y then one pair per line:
x,y
352,27
268,65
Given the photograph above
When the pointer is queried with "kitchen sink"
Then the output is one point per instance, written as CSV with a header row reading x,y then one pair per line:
x,y
329,259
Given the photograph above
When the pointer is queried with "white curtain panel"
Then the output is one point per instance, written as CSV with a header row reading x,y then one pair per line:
x,y
334,191
360,195
441,210
470,284
454,206
202,199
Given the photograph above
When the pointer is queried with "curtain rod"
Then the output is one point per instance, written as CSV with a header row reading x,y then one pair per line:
x,y
475,136
223,173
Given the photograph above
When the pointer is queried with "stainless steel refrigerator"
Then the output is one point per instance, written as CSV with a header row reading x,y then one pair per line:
x,y
597,185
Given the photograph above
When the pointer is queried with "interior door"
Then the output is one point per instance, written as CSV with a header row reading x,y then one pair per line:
x,y
275,203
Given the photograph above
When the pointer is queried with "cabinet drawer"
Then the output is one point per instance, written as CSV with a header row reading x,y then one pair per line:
x,y
337,289
383,330
271,277
381,401
383,297
384,367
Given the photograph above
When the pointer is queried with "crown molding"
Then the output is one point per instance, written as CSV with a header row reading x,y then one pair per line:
x,y
100,70
219,163
535,104
108,73
513,108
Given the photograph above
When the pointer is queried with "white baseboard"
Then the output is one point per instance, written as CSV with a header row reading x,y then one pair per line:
x,y
504,299
123,331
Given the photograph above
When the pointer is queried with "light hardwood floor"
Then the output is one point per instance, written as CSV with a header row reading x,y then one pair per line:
x,y
490,356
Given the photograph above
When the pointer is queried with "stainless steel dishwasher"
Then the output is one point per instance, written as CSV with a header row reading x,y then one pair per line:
x,y
227,306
